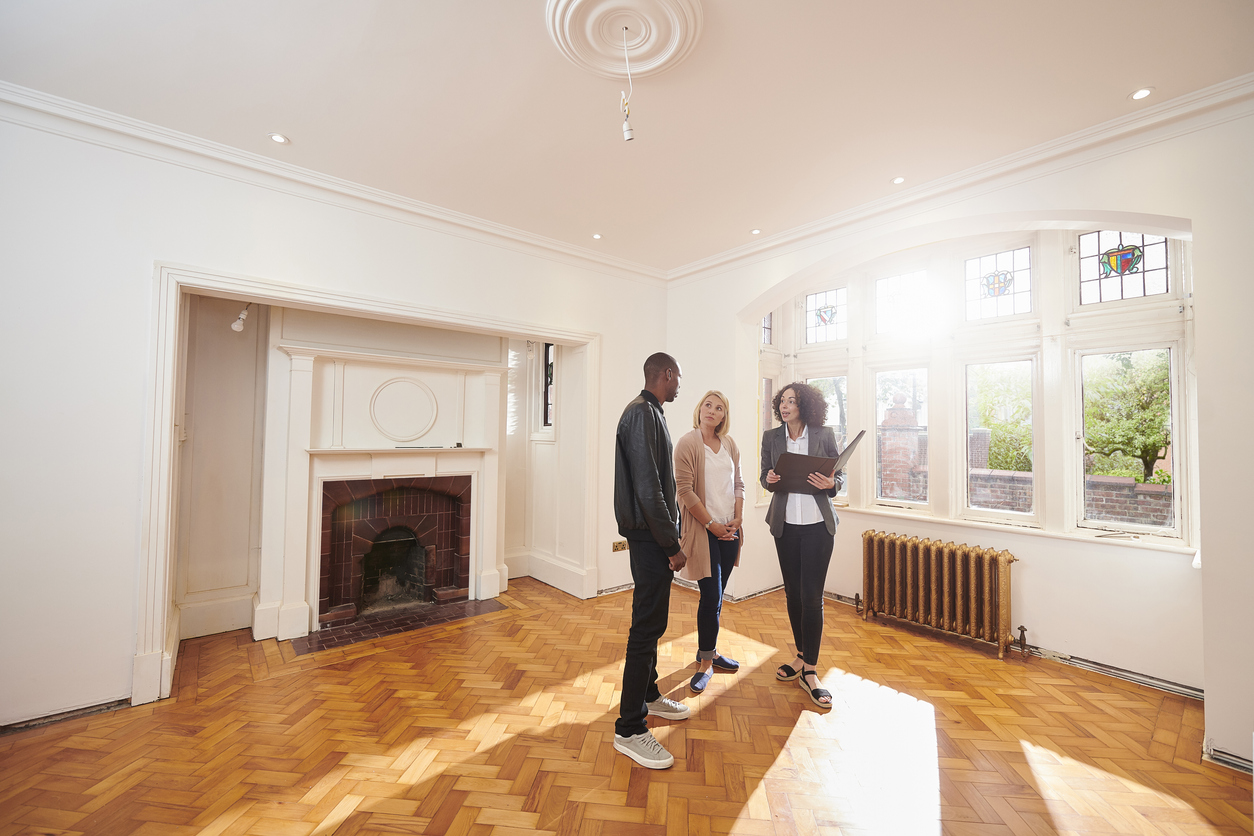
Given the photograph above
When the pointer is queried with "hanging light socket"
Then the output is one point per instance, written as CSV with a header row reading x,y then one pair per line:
x,y
238,324
625,102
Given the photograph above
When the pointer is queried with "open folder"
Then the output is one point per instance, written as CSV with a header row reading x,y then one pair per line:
x,y
794,469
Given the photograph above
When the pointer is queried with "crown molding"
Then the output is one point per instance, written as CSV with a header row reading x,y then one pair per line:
x,y
997,174
121,133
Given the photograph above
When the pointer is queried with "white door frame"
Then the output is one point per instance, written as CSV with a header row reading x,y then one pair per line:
x,y
156,639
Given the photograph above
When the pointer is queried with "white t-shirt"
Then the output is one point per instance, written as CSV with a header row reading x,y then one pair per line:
x,y
801,509
720,484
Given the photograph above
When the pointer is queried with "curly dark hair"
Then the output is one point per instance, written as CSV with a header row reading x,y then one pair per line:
x,y
811,401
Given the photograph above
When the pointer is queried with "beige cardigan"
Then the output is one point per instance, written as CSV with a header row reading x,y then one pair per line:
x,y
690,490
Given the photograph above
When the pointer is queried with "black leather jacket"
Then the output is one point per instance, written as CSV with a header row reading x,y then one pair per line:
x,y
644,476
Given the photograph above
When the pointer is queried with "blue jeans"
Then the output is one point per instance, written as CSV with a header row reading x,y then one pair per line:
x,y
722,560
650,607
804,554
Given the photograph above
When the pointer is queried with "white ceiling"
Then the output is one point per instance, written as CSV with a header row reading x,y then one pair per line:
x,y
785,112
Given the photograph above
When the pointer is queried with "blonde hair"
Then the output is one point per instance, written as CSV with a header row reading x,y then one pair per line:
x,y
696,413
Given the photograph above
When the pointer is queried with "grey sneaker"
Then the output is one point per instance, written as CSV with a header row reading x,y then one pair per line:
x,y
669,709
644,749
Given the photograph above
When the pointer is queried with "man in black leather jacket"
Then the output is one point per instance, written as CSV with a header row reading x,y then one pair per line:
x,y
648,516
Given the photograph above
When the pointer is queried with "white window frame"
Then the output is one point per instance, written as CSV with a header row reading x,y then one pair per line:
x,y
960,483
535,390
802,320
1178,433
1179,281
1051,335
873,499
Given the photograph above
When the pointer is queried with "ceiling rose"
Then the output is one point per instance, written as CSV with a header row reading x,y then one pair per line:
x,y
660,33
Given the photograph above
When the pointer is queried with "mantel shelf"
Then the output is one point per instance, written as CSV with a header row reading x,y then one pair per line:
x,y
376,451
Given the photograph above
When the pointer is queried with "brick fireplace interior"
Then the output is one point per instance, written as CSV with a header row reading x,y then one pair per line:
x,y
392,542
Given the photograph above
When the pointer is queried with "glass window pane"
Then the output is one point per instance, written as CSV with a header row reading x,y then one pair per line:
x,y
1002,282
834,390
1155,282
999,436
1108,256
1111,289
901,435
1127,437
827,316
1088,245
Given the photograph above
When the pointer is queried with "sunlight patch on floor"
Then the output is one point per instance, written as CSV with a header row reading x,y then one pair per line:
x,y
1074,791
868,764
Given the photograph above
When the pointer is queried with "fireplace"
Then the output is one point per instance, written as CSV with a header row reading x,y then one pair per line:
x,y
388,543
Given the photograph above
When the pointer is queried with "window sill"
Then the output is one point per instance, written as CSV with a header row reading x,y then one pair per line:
x,y
1142,541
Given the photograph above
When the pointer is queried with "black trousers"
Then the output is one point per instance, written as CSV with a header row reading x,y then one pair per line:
x,y
650,606
722,560
805,551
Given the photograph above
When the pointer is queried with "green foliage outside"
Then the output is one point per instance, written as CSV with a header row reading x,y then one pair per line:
x,y
1127,414
1000,401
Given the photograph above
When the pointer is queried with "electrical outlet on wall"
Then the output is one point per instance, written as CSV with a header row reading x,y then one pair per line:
x,y
620,545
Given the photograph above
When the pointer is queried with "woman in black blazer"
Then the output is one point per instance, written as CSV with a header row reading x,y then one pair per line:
x,y
804,526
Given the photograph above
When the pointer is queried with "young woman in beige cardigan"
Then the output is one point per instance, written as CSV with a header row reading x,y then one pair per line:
x,y
711,499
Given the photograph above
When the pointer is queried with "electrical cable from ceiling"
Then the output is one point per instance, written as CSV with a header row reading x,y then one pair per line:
x,y
626,100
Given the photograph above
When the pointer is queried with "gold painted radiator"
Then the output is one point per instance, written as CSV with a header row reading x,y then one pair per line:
x,y
955,588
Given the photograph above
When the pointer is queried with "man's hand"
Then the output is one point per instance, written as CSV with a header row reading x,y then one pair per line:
x,y
678,560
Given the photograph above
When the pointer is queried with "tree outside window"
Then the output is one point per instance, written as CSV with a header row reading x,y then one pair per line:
x,y
1127,437
833,390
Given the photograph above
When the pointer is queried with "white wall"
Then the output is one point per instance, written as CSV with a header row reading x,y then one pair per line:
x,y
1124,606
84,217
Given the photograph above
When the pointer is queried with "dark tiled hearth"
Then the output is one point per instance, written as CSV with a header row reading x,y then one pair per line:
x,y
388,625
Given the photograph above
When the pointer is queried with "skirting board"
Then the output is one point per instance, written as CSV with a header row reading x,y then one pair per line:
x,y
556,573
1229,760
208,618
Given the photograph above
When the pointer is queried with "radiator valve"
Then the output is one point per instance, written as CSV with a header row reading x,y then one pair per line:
x,y
1023,641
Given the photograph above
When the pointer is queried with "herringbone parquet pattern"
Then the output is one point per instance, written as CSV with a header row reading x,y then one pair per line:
x,y
502,725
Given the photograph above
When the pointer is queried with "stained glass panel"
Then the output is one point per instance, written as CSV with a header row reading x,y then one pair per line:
x,y
1121,265
827,316
999,284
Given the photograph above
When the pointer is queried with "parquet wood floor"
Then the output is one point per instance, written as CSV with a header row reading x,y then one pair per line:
x,y
502,724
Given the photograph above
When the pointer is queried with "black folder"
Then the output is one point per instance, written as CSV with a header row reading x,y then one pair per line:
x,y
794,469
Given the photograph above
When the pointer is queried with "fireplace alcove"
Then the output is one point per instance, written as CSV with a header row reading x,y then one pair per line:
x,y
374,516
393,573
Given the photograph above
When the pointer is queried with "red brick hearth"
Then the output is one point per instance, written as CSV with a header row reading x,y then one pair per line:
x,y
355,513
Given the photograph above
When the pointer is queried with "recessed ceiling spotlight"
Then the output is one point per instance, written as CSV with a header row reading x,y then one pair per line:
x,y
755,232
281,139
596,235
1144,92
897,181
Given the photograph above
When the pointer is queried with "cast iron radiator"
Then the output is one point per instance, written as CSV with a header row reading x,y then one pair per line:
x,y
954,588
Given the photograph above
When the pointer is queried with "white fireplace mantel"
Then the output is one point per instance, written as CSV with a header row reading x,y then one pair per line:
x,y
329,408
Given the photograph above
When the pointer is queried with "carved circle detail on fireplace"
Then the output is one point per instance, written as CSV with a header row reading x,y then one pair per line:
x,y
403,409
356,515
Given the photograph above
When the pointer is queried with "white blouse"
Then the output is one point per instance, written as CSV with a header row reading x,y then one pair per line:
x,y
720,484
801,509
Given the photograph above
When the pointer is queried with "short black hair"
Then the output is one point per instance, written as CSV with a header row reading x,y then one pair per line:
x,y
657,365
810,403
